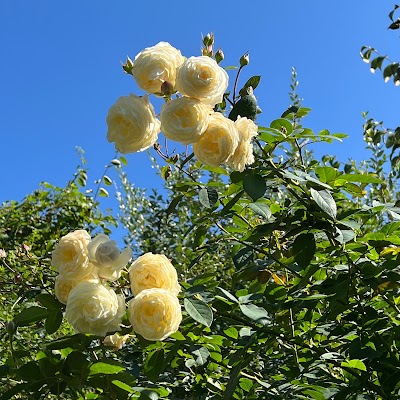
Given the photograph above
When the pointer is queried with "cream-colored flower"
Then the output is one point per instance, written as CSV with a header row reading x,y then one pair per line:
x,y
155,314
71,257
132,124
94,308
64,284
105,255
116,341
243,154
218,142
184,120
202,78
155,65
153,271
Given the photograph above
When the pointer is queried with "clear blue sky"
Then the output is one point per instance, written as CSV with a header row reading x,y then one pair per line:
x,y
60,72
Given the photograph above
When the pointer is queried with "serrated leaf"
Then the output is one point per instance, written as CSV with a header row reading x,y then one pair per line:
x,y
208,197
254,185
325,201
361,178
199,311
228,295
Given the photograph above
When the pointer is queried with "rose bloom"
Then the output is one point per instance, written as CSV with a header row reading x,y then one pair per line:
x,y
94,308
70,256
202,78
105,255
132,124
116,341
184,120
243,154
155,314
64,285
153,271
155,65
218,142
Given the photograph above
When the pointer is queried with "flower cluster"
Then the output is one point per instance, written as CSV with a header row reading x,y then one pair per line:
x,y
198,83
85,265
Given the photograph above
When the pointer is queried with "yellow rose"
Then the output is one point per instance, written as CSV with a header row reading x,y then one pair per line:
x,y
153,271
132,124
94,308
155,65
243,154
71,257
155,314
218,142
202,78
116,341
105,255
184,120
64,285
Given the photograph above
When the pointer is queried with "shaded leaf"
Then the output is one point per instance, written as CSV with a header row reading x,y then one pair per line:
x,y
199,311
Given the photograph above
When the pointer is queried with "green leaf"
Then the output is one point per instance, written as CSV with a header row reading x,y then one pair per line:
x,y
49,301
122,385
356,364
199,311
282,125
154,365
361,178
208,197
255,313
105,368
254,185
53,322
30,315
107,180
201,355
123,160
325,202
253,82
103,192
327,174
232,332
246,384
228,295
261,209
304,249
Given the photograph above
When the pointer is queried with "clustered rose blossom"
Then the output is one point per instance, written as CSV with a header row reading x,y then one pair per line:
x,y
84,266
161,70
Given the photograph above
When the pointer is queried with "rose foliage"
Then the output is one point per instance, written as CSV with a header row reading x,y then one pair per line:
x,y
259,272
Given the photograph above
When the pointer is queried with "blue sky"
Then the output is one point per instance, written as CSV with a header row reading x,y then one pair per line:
x,y
60,72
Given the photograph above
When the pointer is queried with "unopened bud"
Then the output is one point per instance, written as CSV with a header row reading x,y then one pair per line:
x,y
175,158
244,60
167,88
208,40
127,67
219,56
3,253
11,327
157,146
17,279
